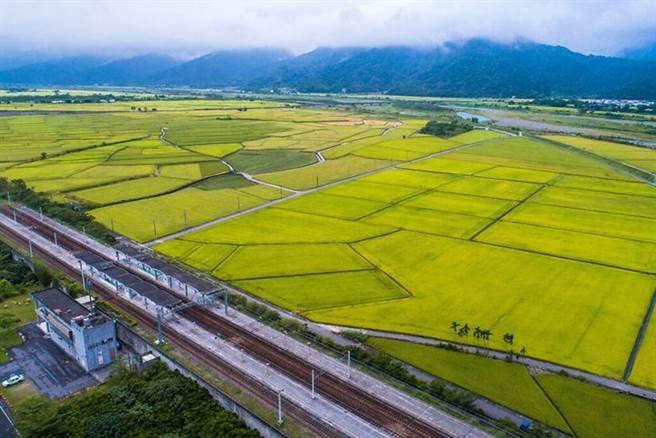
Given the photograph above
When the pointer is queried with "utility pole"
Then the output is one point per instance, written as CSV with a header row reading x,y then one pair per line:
x,y
313,380
348,363
160,335
29,244
226,302
41,213
154,229
184,212
55,234
84,281
15,218
9,198
280,419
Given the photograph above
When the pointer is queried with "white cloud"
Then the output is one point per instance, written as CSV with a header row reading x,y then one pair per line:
x,y
192,27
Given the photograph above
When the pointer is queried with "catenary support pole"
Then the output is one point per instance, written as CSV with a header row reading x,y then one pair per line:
x,y
280,419
160,336
313,382
348,363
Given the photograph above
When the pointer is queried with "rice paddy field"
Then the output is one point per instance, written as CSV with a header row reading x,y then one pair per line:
x,y
362,222
572,406
143,172
510,234
642,157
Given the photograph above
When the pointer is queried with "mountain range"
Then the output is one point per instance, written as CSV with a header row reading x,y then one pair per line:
x,y
475,68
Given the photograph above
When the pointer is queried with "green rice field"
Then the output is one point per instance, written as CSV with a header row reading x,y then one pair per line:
x,y
499,233
360,221
570,405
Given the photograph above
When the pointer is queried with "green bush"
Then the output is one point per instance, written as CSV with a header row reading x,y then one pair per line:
x,y
446,129
158,403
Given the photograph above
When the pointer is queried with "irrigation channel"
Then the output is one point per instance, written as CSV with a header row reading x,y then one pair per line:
x,y
382,414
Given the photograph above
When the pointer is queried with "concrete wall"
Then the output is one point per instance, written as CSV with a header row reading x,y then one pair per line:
x,y
127,337
95,342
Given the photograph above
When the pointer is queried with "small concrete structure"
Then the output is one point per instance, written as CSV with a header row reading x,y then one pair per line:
x,y
85,335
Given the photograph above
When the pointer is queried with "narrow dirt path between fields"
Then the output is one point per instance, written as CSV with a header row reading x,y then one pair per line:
x,y
304,192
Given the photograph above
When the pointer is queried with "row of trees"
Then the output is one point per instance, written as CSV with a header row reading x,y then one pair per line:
x,y
158,403
478,332
447,129
75,215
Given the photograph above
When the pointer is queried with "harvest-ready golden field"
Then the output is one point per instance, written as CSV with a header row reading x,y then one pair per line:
x,y
512,235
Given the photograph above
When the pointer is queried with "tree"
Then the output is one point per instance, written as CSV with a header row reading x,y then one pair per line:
x,y
464,330
509,338
477,332
454,326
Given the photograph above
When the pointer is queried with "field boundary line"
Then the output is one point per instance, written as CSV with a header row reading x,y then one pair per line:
x,y
102,184
629,169
572,259
378,268
550,204
553,403
166,192
515,221
230,167
193,251
304,274
300,193
639,338
72,151
544,364
496,220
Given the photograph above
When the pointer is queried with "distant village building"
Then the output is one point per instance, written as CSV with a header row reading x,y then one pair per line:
x,y
84,334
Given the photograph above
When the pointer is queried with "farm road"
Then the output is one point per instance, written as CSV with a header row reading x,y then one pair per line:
x,y
302,192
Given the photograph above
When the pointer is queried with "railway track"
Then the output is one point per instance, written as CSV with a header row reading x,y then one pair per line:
x,y
382,414
200,355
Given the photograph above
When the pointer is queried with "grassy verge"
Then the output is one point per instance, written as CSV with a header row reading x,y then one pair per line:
x,y
599,412
508,384
591,411
14,312
17,394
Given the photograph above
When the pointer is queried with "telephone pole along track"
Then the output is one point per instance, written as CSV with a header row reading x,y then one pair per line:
x,y
384,415
200,355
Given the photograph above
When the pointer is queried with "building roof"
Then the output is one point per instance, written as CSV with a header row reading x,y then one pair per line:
x,y
183,276
128,250
155,294
92,259
61,304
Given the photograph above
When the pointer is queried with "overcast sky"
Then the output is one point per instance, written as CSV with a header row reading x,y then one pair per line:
x,y
195,27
